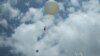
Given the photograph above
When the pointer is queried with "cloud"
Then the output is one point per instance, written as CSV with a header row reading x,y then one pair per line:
x,y
4,23
8,9
91,6
74,37
75,2
32,15
26,39
78,35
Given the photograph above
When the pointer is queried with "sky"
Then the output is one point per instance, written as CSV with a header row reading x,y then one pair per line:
x,y
73,31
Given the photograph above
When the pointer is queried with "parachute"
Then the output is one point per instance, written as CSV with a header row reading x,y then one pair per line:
x,y
51,7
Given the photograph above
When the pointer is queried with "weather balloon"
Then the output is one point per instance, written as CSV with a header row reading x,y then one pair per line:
x,y
51,7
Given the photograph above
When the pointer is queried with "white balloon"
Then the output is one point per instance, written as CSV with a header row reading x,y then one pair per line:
x,y
51,7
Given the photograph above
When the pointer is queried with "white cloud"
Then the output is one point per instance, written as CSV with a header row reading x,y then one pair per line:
x,y
71,9
4,23
33,15
75,2
27,38
72,36
91,6
7,8
61,7
77,35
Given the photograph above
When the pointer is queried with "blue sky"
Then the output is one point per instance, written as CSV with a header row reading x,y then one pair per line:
x,y
73,31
